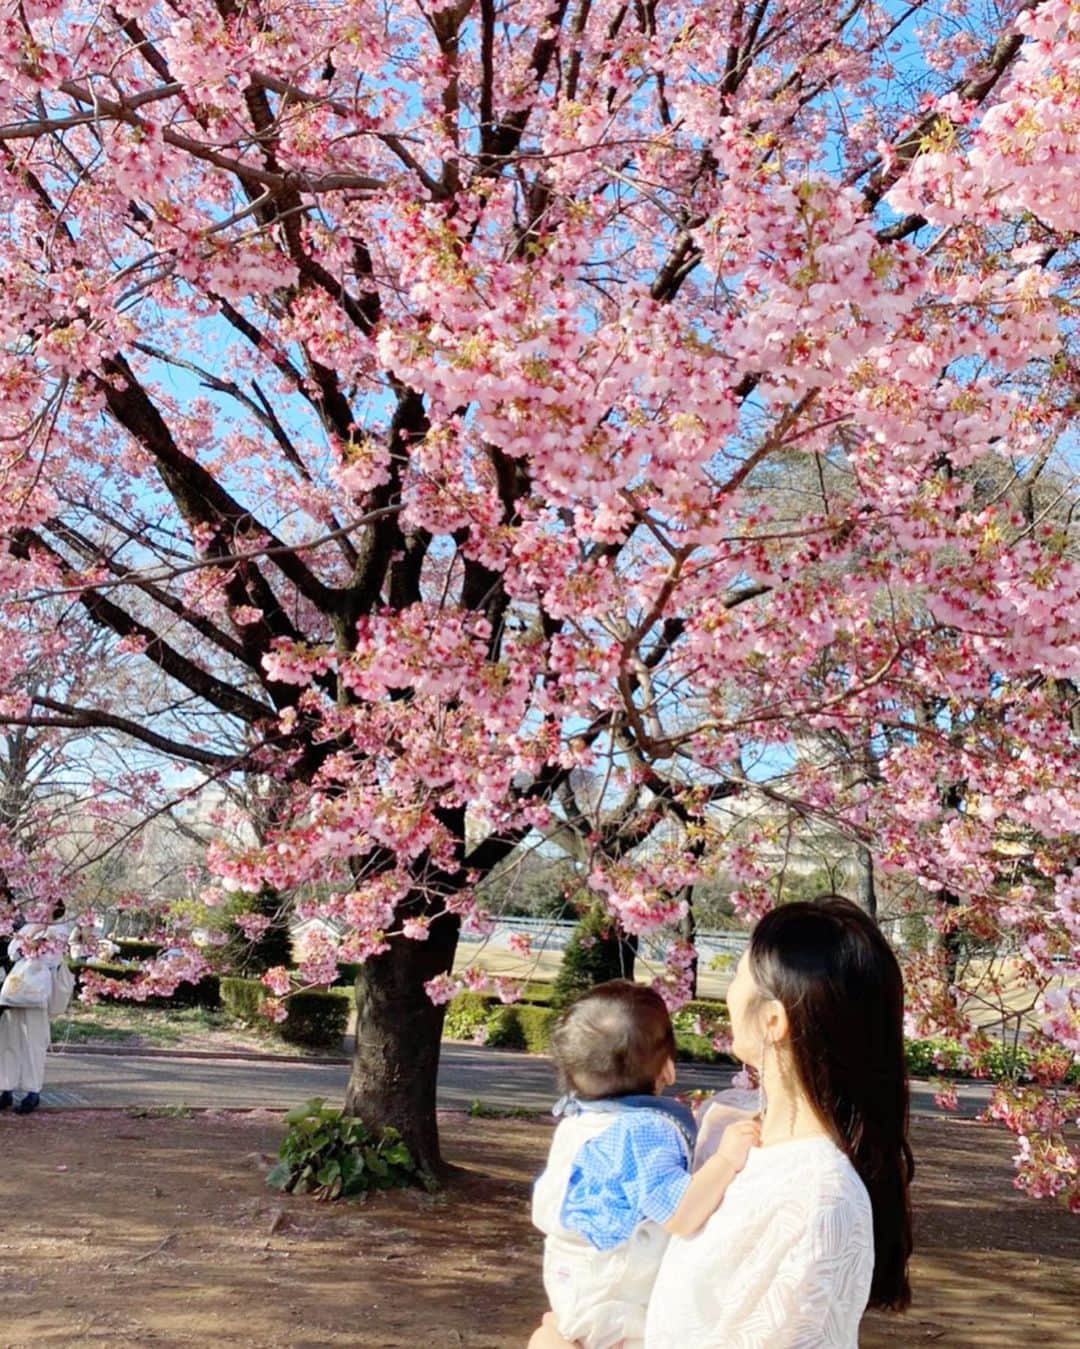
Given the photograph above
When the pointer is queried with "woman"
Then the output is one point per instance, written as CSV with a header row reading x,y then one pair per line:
x,y
24,1031
818,1223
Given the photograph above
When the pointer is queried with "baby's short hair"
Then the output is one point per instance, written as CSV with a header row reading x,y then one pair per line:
x,y
613,1041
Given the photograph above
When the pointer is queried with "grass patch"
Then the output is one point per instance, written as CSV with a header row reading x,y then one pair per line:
x,y
478,1110
66,1030
134,1026
120,1023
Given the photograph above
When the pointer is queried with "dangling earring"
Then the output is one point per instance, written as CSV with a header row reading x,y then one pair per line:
x,y
762,1098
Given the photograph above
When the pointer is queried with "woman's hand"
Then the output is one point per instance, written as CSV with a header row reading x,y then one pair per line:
x,y
546,1335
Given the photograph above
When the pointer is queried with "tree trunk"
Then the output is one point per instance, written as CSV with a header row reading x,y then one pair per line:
x,y
865,890
688,933
398,1037
952,944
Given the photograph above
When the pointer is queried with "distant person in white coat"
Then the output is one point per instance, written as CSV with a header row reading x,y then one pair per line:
x,y
24,1029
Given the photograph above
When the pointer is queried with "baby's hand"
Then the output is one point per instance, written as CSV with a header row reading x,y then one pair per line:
x,y
714,1121
737,1141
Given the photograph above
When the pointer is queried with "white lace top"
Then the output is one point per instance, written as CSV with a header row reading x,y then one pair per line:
x,y
784,1263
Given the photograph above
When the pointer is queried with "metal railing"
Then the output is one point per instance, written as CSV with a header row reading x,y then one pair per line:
x,y
553,934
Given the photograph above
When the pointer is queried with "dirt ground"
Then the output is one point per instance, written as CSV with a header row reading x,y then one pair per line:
x,y
128,1230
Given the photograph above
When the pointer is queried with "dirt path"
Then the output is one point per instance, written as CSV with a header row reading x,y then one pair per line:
x,y
131,1231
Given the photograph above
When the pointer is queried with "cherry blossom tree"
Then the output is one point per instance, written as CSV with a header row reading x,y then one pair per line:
x,y
408,387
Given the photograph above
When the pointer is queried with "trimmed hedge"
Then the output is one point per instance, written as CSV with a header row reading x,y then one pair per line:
x,y
136,948
527,1026
315,1018
691,1048
521,1026
346,976
707,1008
941,1058
242,998
206,993
539,991
481,1017
467,1016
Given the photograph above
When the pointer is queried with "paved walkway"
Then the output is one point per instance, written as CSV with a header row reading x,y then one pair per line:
x,y
497,1078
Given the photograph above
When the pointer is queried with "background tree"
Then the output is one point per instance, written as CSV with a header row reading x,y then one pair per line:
x,y
408,389
594,954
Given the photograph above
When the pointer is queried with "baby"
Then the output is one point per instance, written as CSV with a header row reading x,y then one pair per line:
x,y
618,1181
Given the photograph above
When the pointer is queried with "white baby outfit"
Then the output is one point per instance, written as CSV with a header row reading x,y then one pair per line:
x,y
599,1296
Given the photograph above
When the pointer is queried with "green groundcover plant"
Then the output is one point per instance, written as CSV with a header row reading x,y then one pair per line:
x,y
332,1156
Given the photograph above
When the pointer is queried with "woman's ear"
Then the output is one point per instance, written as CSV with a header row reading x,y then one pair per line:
x,y
774,1022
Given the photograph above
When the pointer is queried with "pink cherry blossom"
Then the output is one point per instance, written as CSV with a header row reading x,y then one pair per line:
x,y
551,436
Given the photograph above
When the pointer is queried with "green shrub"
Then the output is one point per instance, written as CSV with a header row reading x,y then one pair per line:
x,y
136,948
540,991
466,1015
919,1055
242,998
537,1024
330,1155
251,957
594,954
691,1048
346,975
316,1018
937,1057
521,1026
700,1017
504,1030
124,973
206,993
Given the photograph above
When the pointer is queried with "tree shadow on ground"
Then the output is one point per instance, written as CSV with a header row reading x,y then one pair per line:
x,y
162,1232
993,1269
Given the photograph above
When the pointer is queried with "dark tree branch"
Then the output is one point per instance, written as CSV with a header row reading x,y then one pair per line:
x,y
383,538
92,553
199,496
974,89
224,696
80,718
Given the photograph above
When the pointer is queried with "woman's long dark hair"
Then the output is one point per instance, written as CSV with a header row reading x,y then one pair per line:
x,y
828,964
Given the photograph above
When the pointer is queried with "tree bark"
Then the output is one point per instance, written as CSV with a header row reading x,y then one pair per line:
x,y
865,890
398,1037
688,933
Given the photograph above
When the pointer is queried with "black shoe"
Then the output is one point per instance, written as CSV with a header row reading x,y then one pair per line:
x,y
6,1100
28,1104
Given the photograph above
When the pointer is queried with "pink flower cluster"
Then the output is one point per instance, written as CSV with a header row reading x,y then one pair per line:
x,y
577,442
